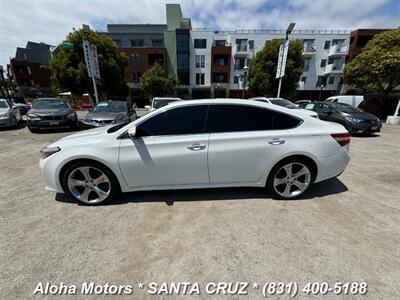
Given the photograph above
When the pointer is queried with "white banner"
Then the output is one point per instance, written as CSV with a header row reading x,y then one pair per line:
x,y
92,63
283,51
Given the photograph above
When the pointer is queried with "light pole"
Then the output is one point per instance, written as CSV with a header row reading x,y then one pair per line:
x,y
4,83
245,69
288,31
320,92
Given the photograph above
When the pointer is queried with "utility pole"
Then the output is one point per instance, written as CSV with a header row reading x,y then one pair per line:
x,y
282,57
5,85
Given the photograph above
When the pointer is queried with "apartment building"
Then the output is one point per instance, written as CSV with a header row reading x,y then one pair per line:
x,y
30,71
212,63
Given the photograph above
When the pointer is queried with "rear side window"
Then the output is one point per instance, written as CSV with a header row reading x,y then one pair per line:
x,y
180,120
235,118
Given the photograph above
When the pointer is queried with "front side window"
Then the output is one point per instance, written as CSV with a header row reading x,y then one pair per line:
x,y
237,118
176,121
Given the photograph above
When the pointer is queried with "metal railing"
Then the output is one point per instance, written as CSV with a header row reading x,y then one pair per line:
x,y
277,31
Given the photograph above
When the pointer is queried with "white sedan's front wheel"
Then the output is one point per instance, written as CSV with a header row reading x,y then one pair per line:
x,y
90,183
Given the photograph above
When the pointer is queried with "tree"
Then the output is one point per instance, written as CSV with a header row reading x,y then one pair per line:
x,y
377,67
155,83
69,69
262,69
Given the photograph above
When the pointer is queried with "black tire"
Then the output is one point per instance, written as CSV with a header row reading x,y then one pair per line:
x,y
16,125
277,168
114,185
33,130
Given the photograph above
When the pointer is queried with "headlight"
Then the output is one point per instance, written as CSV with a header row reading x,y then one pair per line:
x,y
71,116
33,117
357,120
6,114
47,151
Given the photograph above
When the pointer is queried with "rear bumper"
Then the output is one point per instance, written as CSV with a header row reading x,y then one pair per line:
x,y
333,165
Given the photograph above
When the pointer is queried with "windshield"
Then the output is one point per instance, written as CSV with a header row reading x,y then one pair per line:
x,y
4,104
284,103
111,106
50,104
346,108
157,103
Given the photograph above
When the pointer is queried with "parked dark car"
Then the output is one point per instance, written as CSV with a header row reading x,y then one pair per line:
x,y
109,112
373,104
24,108
352,118
10,115
47,113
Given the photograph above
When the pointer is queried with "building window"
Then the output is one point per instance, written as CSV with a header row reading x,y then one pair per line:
x,y
136,76
309,45
330,61
236,79
157,43
199,78
29,70
25,57
241,45
182,42
200,43
321,81
137,43
323,63
117,42
200,61
155,58
327,45
220,42
303,79
219,77
182,61
306,65
331,80
135,60
240,63
251,45
219,61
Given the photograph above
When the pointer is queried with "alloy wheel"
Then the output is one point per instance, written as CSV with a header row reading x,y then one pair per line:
x,y
292,179
89,184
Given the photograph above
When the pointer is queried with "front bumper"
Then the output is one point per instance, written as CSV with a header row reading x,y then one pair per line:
x,y
6,122
364,127
48,124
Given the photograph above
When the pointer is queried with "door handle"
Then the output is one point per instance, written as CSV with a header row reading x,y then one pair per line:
x,y
276,141
197,147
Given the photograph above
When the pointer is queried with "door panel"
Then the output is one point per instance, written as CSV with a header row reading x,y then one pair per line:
x,y
244,156
165,160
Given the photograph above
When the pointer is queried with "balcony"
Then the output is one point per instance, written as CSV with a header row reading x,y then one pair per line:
x,y
334,69
309,51
337,51
241,50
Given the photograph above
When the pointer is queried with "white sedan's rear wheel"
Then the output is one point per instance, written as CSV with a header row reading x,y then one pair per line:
x,y
90,183
290,179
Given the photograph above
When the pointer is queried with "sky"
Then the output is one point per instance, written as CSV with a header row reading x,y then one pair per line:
x,y
50,21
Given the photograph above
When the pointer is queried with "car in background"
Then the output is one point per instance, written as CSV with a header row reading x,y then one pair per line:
x,y
24,108
10,115
284,103
355,120
48,113
159,102
205,143
353,100
109,112
302,103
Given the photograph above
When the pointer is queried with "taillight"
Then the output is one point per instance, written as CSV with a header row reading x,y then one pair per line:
x,y
342,138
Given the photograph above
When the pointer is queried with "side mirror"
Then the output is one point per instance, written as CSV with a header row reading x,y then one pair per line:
x,y
147,107
132,131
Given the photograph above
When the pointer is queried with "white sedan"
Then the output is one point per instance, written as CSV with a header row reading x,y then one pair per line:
x,y
199,144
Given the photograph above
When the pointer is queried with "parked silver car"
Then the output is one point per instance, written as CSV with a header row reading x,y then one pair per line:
x,y
10,115
109,112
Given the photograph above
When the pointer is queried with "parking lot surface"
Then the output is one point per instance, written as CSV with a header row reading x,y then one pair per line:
x,y
345,229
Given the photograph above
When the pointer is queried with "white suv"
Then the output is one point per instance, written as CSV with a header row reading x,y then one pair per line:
x,y
159,102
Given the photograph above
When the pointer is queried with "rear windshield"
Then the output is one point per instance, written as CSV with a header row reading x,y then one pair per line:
x,y
284,103
50,104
